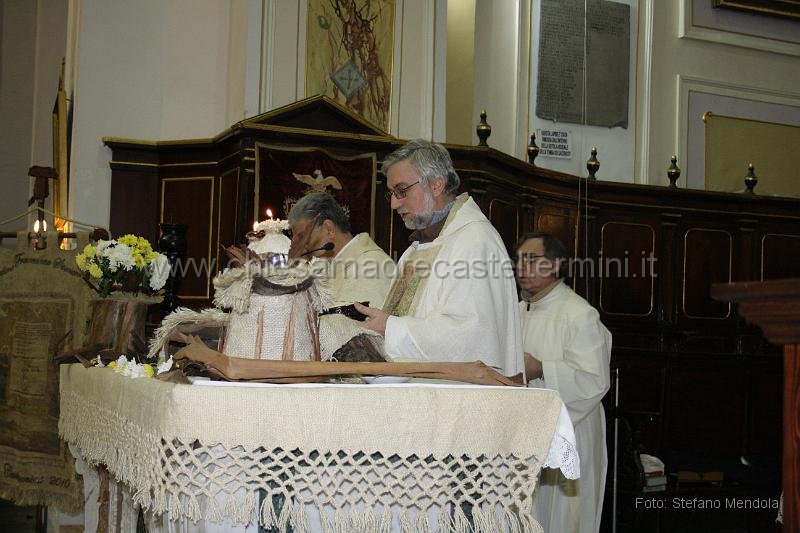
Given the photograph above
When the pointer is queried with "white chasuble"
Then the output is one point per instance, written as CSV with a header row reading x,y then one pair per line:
x,y
454,298
360,272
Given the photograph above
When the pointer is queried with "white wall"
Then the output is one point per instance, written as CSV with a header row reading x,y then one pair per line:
x,y
460,72
616,146
32,46
51,37
723,68
502,55
156,69
149,69
506,66
417,106
18,48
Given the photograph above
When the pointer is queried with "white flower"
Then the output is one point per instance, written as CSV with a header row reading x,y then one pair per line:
x,y
165,366
120,364
276,243
134,370
131,369
103,245
120,256
272,226
159,271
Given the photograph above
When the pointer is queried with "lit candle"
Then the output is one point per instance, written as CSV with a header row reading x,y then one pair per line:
x,y
255,225
269,213
36,227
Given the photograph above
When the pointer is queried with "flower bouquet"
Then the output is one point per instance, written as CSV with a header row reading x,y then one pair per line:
x,y
127,264
128,275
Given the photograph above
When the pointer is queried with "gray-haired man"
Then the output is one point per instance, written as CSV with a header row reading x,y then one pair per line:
x,y
455,297
360,271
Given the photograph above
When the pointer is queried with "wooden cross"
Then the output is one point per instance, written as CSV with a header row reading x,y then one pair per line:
x,y
41,187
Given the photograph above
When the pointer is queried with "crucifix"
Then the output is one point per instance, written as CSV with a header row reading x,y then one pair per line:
x,y
41,187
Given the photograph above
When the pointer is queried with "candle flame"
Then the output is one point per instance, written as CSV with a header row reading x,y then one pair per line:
x,y
36,226
269,213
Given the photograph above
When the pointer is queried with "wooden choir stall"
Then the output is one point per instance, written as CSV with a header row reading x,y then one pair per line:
x,y
698,386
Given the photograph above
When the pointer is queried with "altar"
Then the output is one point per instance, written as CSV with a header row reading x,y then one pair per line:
x,y
318,457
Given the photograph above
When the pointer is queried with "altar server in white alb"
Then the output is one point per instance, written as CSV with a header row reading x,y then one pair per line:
x,y
568,349
454,298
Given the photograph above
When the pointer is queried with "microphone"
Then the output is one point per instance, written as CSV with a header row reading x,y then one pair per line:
x,y
328,246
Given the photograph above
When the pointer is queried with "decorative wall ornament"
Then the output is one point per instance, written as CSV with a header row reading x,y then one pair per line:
x,y
285,174
349,49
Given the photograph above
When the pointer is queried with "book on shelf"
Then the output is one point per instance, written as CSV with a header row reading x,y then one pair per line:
x,y
654,481
652,466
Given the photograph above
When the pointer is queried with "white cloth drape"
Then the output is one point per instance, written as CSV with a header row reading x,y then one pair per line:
x,y
222,453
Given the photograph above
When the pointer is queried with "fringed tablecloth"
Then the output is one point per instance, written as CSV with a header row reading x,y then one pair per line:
x,y
369,458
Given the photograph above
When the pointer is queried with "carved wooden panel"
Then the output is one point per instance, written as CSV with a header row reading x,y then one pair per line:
x,y
135,204
559,224
642,386
504,216
228,214
702,413
707,259
778,256
190,201
625,267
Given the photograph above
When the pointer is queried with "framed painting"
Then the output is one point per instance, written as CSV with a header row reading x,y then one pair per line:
x,y
349,51
778,8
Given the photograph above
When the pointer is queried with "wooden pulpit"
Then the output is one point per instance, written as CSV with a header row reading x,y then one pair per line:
x,y
775,307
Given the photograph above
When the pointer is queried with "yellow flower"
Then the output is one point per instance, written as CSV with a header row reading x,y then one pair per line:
x,y
130,240
80,260
144,246
89,251
95,271
112,364
138,258
148,369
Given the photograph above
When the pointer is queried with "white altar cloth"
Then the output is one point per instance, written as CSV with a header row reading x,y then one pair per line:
x,y
371,457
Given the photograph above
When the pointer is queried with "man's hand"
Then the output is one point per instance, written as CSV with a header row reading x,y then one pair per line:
x,y
376,319
533,367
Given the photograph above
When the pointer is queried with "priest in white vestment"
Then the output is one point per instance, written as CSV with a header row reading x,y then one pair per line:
x,y
568,349
454,298
358,270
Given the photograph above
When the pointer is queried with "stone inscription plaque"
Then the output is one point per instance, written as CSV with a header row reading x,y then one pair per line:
x,y
584,62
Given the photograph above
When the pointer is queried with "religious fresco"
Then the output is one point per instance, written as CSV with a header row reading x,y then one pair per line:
x,y
349,45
